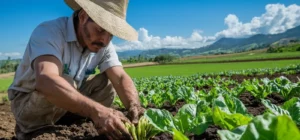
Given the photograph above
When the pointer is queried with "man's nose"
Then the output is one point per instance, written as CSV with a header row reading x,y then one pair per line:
x,y
106,36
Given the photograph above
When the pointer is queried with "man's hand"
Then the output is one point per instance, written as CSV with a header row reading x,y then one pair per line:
x,y
135,112
126,91
111,123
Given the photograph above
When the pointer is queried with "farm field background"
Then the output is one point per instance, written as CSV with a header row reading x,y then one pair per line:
x,y
189,69
185,69
252,55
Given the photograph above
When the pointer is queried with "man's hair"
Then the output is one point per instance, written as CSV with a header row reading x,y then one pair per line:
x,y
76,13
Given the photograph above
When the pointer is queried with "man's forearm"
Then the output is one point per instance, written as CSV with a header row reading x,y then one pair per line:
x,y
59,92
127,91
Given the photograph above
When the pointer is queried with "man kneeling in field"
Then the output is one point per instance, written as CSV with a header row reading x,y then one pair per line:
x,y
53,77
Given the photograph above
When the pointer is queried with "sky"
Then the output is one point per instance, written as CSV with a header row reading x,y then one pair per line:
x,y
160,23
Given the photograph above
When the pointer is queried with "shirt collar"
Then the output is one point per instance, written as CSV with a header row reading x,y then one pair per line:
x,y
71,36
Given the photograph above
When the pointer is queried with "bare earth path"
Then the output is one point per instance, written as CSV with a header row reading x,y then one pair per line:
x,y
7,75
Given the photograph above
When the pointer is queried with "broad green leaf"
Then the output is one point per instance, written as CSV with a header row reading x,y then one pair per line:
x,y
229,121
235,134
220,102
235,105
177,135
270,127
230,104
264,127
184,119
203,118
193,118
161,119
290,103
274,108
293,107
295,92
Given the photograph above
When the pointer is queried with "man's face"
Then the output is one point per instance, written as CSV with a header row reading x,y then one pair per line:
x,y
93,36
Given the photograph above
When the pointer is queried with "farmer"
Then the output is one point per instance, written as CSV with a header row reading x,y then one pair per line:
x,y
54,75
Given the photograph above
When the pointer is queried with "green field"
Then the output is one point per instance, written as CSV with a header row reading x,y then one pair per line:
x,y
5,83
186,69
244,56
189,69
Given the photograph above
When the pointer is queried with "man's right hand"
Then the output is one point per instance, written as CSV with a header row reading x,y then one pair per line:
x,y
111,123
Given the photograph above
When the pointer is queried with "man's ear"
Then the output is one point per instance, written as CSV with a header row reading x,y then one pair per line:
x,y
82,16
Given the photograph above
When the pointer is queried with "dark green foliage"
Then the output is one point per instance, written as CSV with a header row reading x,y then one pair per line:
x,y
164,58
291,47
9,65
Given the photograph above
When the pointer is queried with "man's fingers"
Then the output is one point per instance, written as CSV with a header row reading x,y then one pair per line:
x,y
113,135
124,119
109,137
134,116
121,116
101,130
141,111
125,134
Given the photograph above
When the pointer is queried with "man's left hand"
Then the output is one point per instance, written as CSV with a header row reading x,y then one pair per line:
x,y
135,112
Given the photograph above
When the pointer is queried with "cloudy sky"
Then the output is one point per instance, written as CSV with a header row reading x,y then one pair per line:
x,y
160,23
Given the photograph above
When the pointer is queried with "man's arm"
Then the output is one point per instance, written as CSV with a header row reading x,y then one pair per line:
x,y
58,91
126,91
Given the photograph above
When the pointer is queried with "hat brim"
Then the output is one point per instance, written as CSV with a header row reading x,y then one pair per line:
x,y
106,20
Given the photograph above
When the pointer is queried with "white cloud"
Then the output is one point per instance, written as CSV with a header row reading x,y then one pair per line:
x,y
147,41
277,19
10,54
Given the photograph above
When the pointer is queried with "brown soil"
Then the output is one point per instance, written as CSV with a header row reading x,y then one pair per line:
x,y
7,75
140,64
292,77
209,134
173,109
255,107
163,136
7,122
85,131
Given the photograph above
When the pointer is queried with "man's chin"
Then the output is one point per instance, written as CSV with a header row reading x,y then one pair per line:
x,y
94,49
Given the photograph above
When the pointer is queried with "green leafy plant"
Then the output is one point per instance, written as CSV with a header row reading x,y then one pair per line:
x,y
191,118
264,127
143,131
258,90
229,121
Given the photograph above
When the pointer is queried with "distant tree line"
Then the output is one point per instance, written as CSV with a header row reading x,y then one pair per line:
x,y
137,59
164,58
9,65
284,48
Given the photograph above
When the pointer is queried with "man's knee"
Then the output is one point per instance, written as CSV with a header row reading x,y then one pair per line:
x,y
33,111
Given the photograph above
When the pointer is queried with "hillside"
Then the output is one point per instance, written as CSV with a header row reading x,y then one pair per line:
x,y
224,45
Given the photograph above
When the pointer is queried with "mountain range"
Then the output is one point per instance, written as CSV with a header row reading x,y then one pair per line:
x,y
223,45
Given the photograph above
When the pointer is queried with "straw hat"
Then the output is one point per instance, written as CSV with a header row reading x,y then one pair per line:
x,y
108,14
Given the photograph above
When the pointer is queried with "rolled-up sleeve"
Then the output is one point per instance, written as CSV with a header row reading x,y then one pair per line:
x,y
109,59
45,40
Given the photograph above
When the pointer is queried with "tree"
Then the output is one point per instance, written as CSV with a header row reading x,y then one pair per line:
x,y
164,58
